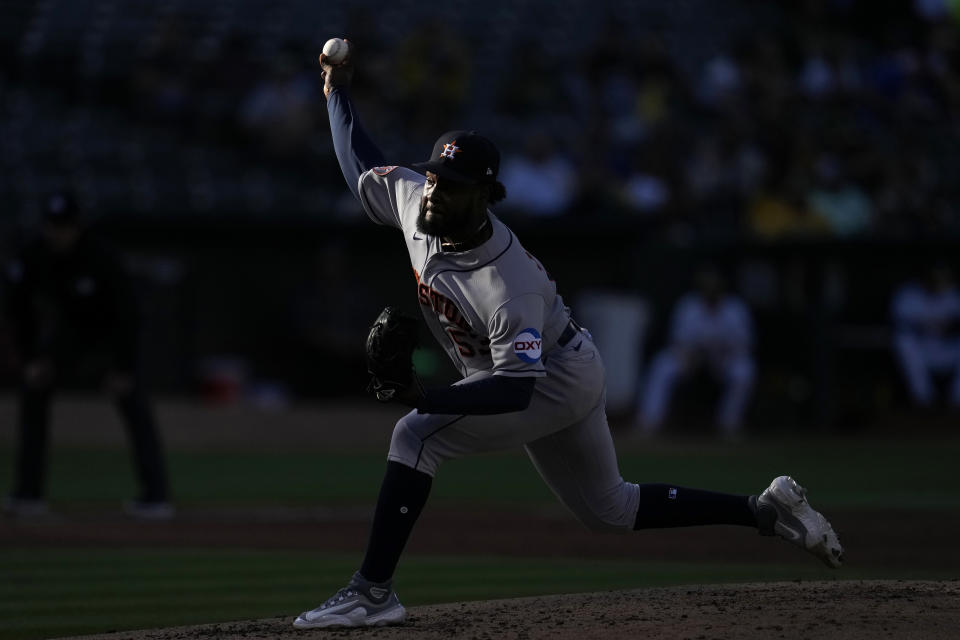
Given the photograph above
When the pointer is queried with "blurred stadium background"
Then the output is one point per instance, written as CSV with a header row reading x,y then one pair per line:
x,y
807,148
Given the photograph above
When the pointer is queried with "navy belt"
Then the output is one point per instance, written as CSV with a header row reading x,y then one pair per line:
x,y
569,333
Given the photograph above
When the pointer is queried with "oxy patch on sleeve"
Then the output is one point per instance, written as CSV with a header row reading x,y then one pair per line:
x,y
528,345
382,171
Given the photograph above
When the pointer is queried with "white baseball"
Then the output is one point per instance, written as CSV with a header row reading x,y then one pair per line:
x,y
336,50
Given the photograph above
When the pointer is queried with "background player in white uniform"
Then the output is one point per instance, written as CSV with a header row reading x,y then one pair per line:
x,y
532,377
926,317
709,328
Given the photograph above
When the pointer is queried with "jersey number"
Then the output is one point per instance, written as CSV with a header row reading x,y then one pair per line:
x,y
460,339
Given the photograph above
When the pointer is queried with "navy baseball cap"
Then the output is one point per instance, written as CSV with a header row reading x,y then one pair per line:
x,y
463,156
61,208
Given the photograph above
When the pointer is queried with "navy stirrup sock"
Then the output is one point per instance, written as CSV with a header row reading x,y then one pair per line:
x,y
667,505
402,495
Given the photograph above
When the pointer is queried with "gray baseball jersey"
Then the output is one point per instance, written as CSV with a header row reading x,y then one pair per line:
x,y
496,311
493,308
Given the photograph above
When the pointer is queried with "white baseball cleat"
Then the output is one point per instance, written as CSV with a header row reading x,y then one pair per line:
x,y
783,510
359,604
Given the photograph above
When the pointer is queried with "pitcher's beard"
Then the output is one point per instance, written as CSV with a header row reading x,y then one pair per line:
x,y
442,228
429,228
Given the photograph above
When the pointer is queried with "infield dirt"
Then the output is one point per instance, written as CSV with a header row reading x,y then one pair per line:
x,y
852,610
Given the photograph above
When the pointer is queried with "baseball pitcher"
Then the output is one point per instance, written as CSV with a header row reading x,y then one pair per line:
x,y
532,376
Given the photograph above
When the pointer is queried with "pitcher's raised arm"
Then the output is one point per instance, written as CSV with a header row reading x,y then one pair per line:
x,y
355,151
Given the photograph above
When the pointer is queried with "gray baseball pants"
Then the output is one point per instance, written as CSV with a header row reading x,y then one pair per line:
x,y
564,432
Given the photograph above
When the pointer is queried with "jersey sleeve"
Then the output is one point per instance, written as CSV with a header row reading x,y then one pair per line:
x,y
391,195
516,345
683,326
122,305
741,334
907,310
18,291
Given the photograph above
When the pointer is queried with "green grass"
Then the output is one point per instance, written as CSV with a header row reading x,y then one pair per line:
x,y
54,592
846,473
68,591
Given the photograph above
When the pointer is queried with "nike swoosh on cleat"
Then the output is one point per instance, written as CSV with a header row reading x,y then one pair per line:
x,y
789,533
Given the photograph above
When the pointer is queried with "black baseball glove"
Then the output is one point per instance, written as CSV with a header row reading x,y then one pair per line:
x,y
390,345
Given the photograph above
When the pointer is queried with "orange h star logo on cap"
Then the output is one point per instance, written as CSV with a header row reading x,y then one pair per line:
x,y
449,150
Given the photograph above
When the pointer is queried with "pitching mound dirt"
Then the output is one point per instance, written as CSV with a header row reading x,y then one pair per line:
x,y
851,610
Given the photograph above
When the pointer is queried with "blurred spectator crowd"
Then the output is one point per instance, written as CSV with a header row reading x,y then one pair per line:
x,y
821,118
837,121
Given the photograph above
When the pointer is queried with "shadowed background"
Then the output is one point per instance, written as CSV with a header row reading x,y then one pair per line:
x,y
805,150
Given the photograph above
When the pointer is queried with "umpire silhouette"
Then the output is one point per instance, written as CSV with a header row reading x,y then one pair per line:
x,y
74,314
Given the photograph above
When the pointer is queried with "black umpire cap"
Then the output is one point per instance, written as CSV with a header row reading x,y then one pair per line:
x,y
463,156
61,207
